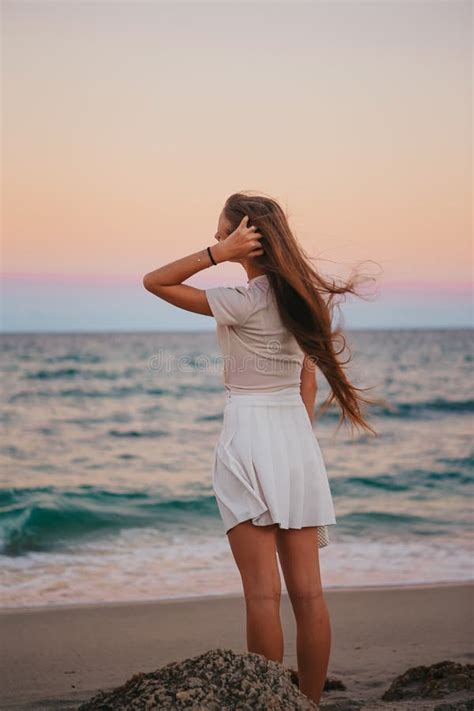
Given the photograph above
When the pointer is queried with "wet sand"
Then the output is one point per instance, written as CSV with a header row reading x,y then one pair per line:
x,y
57,657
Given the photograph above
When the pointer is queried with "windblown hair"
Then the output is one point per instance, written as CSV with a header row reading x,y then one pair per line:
x,y
306,300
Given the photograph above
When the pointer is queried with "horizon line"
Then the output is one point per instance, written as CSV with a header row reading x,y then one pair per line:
x,y
85,277
212,330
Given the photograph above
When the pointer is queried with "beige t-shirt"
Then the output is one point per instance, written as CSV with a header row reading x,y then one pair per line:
x,y
259,352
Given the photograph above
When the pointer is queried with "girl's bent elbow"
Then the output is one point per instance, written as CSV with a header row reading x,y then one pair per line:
x,y
147,282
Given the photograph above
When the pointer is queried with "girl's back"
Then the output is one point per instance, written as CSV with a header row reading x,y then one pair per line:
x,y
259,352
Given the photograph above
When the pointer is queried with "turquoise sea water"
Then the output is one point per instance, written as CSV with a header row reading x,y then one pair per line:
x,y
107,446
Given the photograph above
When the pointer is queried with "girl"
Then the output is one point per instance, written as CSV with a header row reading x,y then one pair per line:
x,y
269,476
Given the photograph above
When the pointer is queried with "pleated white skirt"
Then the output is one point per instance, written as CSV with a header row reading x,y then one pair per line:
x,y
268,466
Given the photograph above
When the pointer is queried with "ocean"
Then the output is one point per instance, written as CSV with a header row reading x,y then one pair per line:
x,y
107,452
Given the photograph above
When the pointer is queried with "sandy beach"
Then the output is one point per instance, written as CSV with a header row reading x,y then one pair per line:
x,y
57,657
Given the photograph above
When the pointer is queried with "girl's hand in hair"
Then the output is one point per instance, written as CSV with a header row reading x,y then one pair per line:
x,y
244,242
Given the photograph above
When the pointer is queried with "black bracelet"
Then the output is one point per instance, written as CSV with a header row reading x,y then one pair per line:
x,y
211,257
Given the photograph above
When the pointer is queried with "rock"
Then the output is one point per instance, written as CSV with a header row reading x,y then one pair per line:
x,y
329,684
334,685
467,705
344,705
435,681
218,680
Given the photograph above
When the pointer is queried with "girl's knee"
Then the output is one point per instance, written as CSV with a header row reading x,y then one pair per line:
x,y
258,595
306,596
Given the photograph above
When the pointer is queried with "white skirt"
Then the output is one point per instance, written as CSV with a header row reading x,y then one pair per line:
x,y
268,466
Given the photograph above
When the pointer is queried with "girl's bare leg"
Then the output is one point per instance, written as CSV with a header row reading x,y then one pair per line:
x,y
254,551
299,559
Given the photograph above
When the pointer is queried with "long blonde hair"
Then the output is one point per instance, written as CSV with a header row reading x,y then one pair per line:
x,y
306,300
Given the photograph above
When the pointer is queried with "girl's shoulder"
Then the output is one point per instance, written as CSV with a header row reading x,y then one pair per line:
x,y
233,305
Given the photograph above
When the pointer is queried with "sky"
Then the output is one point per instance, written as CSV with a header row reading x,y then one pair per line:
x,y
126,125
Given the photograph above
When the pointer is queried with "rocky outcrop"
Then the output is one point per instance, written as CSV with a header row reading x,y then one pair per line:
x,y
434,682
218,680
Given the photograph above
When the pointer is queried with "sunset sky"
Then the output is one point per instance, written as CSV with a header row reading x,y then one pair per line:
x,y
127,124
